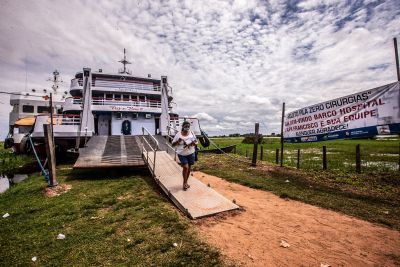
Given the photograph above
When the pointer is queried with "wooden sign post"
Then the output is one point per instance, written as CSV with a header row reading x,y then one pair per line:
x,y
48,137
254,160
283,119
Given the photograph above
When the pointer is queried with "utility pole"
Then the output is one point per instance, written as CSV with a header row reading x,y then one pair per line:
x,y
254,160
397,59
283,118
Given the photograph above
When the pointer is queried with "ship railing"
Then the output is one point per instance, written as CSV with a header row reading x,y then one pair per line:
x,y
132,103
70,119
65,119
77,100
149,143
123,84
124,102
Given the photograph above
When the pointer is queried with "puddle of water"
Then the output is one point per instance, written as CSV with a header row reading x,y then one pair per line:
x,y
5,182
19,178
385,155
384,164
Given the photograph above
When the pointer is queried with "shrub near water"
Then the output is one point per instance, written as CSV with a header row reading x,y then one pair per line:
x,y
10,163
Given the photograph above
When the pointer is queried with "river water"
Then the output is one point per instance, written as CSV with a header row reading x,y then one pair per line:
x,y
5,181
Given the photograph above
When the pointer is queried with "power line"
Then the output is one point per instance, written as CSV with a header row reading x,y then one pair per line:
x,y
26,94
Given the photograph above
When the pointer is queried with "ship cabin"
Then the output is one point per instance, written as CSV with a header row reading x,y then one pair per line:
x,y
121,103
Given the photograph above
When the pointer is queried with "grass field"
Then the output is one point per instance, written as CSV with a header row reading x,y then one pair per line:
x,y
109,218
376,155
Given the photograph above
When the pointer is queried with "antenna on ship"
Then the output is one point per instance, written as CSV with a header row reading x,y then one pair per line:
x,y
124,62
56,80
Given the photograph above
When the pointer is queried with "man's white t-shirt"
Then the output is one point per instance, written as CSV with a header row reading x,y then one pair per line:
x,y
182,148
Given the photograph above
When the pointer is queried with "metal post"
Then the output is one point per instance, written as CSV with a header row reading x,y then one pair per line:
x,y
358,159
261,152
399,157
298,158
47,129
324,158
397,59
255,146
283,118
277,156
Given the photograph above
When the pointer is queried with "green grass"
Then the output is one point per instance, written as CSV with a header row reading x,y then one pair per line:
x,y
98,215
376,155
372,197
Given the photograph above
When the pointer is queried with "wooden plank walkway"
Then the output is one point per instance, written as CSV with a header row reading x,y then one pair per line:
x,y
110,151
198,201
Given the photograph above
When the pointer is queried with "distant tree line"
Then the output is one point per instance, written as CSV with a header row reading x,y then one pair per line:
x,y
245,135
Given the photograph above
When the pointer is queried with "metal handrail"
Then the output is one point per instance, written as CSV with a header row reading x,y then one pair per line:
x,y
170,128
120,84
104,102
171,147
170,139
144,130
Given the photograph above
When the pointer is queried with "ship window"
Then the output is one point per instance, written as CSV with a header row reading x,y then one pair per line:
x,y
125,97
27,109
108,96
43,109
117,97
24,129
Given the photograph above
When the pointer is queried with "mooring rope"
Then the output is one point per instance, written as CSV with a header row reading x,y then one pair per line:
x,y
223,152
44,171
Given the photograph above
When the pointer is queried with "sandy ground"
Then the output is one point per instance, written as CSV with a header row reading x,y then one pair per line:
x,y
317,237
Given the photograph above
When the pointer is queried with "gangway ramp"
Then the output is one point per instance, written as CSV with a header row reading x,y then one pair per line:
x,y
198,201
110,151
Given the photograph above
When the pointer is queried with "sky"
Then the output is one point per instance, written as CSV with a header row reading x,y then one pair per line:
x,y
230,63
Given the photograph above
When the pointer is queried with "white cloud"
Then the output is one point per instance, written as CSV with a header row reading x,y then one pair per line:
x,y
232,62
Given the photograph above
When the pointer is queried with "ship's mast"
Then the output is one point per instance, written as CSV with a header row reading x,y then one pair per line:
x,y
56,80
125,62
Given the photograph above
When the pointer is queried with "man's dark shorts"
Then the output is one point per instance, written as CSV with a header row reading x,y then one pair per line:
x,y
189,159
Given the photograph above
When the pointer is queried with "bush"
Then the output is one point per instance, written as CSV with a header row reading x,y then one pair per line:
x,y
249,139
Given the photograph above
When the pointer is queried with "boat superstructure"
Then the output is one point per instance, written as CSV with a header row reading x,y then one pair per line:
x,y
110,104
26,106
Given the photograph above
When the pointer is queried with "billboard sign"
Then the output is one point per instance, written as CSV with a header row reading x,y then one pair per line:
x,y
364,114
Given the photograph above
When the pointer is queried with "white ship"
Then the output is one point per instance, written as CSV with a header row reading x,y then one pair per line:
x,y
104,104
26,106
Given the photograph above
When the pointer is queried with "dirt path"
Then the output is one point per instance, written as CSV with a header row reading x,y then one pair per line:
x,y
316,236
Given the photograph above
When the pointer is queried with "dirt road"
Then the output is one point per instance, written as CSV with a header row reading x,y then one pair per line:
x,y
316,237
